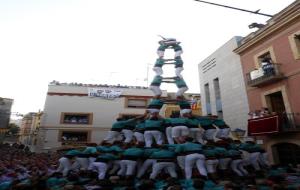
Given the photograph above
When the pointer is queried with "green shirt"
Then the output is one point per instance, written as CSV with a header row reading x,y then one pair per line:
x,y
177,47
159,62
178,62
193,123
135,152
103,148
108,157
90,150
121,124
188,147
219,122
210,152
155,124
177,121
115,148
149,151
162,47
156,104
205,121
163,154
156,81
180,82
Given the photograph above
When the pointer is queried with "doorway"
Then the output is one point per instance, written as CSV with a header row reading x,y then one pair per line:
x,y
275,102
286,153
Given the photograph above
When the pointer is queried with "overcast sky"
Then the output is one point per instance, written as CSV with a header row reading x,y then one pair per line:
x,y
109,41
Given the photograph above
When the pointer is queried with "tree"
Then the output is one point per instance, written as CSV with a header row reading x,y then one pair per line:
x,y
13,129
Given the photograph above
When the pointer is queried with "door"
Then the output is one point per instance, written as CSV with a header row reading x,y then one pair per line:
x,y
287,153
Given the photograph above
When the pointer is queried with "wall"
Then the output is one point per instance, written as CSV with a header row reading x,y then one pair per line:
x,y
229,72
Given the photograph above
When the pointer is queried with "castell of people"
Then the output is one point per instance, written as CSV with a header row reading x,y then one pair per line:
x,y
111,128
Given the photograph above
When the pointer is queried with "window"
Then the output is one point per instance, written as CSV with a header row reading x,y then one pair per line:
x,y
217,95
77,118
136,103
207,98
295,44
265,54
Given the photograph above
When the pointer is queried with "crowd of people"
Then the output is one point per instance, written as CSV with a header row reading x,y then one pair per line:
x,y
150,152
264,112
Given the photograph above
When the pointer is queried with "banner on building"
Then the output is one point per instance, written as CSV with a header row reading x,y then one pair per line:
x,y
104,93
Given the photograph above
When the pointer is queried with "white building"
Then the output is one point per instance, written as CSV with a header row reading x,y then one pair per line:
x,y
222,86
72,115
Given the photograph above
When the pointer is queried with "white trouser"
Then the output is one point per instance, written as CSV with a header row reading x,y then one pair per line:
x,y
263,159
238,167
83,163
181,162
223,163
149,135
209,134
254,160
128,134
146,165
180,91
115,166
245,158
101,168
113,136
139,137
64,166
158,71
156,90
197,134
190,161
169,135
180,131
91,161
178,53
127,167
211,165
160,53
223,133
178,71
167,166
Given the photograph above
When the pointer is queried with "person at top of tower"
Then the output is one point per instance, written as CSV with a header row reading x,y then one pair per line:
x,y
169,42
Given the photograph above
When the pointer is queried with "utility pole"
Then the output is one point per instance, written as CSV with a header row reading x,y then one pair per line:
x,y
235,8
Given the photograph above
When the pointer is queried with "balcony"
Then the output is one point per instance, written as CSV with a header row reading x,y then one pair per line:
x,y
273,124
258,77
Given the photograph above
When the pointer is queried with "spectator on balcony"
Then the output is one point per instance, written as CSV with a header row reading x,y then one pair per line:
x,y
265,112
267,66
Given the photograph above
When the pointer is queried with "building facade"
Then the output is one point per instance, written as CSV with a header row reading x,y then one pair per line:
x,y
270,60
221,83
29,127
75,114
5,112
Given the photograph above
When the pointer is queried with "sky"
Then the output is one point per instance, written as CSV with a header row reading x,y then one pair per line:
x,y
110,42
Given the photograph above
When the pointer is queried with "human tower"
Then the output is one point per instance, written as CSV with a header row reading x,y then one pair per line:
x,y
183,146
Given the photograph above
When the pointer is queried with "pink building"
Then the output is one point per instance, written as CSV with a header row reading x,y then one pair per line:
x,y
270,60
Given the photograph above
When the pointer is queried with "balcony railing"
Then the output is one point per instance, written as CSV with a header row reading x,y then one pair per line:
x,y
273,124
259,77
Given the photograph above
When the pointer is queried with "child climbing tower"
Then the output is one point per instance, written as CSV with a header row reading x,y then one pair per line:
x,y
168,43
